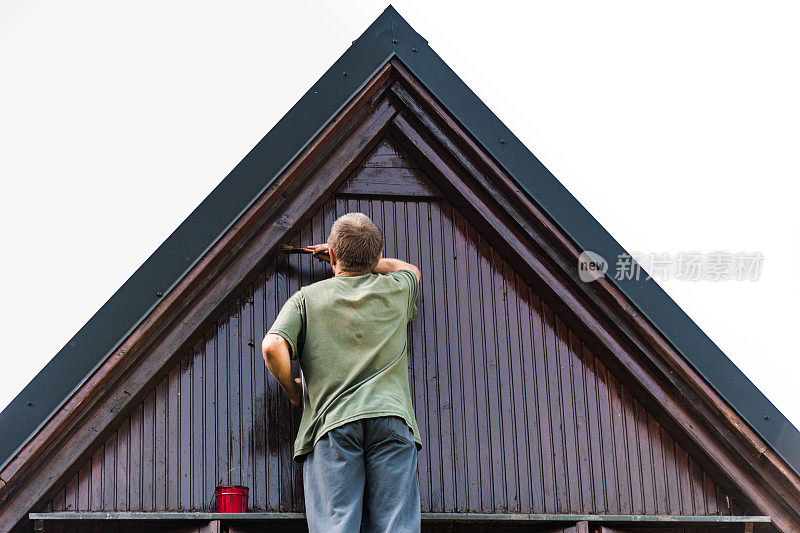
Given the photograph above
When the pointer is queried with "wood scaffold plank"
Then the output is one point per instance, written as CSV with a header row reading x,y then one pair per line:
x,y
578,519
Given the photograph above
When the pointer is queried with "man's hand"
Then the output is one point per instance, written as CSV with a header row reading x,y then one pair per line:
x,y
320,251
297,400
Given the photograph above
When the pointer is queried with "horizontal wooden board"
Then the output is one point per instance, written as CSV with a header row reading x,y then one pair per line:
x,y
388,172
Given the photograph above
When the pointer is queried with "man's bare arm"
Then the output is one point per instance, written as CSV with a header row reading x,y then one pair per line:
x,y
384,266
388,264
276,355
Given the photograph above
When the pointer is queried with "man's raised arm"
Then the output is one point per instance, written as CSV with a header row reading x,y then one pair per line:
x,y
388,264
384,266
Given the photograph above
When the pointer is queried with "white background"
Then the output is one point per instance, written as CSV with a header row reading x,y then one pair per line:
x,y
676,124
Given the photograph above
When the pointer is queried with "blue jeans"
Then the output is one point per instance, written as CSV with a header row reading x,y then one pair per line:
x,y
362,476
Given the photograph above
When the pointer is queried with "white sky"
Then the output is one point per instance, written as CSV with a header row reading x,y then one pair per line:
x,y
676,124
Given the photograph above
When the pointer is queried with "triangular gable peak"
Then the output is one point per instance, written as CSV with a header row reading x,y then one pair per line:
x,y
539,393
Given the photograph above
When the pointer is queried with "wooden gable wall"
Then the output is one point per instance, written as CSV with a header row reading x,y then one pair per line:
x,y
517,413
535,393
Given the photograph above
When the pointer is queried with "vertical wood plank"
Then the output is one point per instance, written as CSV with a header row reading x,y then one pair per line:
x,y
595,427
470,462
567,401
123,482
519,496
109,472
418,361
161,444
272,399
185,433
96,480
233,387
148,452
430,354
479,368
540,356
584,451
610,471
173,437
620,445
260,473
555,406
647,461
222,390
441,244
492,381
211,473
247,348
200,435
505,399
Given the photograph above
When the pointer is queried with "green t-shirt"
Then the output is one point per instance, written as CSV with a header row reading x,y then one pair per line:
x,y
349,333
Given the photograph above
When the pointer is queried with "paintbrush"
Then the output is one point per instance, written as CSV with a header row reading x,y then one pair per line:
x,y
289,249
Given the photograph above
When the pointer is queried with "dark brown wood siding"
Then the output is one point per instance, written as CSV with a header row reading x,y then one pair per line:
x,y
516,413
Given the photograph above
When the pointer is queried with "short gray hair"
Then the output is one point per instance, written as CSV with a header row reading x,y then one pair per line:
x,y
357,242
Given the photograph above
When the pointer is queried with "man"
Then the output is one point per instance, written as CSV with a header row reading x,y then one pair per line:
x,y
358,437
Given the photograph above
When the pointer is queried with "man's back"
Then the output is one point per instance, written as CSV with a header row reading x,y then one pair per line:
x,y
349,333
358,438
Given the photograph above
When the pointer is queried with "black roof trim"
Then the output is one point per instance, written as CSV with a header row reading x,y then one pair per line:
x,y
389,35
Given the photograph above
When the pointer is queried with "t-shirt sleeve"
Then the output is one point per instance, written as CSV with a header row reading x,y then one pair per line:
x,y
289,324
409,279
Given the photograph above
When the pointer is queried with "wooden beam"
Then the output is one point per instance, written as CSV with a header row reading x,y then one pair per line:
x,y
594,518
403,183
426,517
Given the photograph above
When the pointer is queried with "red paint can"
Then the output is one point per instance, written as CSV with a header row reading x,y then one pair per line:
x,y
231,499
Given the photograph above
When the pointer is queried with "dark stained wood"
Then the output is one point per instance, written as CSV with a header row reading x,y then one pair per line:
x,y
468,453
704,402
378,182
516,340
644,381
